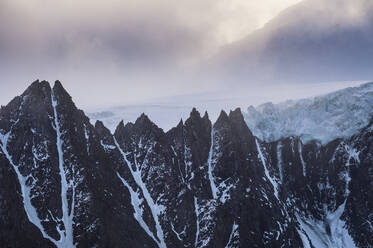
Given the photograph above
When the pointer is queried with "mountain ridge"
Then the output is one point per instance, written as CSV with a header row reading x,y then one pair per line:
x,y
201,184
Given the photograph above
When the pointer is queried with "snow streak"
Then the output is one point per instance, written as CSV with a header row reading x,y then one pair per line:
x,y
86,137
178,235
66,235
336,236
107,147
303,237
352,153
332,231
214,189
279,159
233,235
136,203
156,210
29,208
300,150
266,172
189,173
196,209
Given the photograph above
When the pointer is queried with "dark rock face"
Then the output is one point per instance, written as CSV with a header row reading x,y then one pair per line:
x,y
66,183
66,193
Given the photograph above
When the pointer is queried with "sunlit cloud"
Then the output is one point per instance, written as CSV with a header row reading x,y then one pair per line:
x,y
139,49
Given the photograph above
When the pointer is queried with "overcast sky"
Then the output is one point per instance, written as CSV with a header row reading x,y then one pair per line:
x,y
120,51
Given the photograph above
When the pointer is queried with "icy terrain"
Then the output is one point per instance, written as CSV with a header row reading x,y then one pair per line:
x,y
335,115
166,112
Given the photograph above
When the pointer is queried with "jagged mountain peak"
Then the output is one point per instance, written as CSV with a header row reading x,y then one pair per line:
x,y
223,118
61,94
235,118
177,131
120,127
180,124
238,122
37,86
100,125
236,114
194,112
143,119
58,85
31,105
101,129
143,126
55,162
205,116
38,90
195,119
39,94
196,186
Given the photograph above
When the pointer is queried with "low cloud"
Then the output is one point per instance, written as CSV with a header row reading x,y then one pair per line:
x,y
124,51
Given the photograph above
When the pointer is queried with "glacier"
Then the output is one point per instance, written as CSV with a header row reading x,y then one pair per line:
x,y
339,114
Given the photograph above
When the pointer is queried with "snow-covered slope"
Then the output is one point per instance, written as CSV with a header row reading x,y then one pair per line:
x,y
335,115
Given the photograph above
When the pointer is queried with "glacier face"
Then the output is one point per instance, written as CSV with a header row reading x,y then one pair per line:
x,y
324,118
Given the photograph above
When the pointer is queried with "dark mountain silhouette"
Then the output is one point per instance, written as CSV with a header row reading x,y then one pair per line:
x,y
67,183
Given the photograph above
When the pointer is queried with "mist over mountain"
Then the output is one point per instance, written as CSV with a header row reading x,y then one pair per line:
x,y
312,41
137,58
188,168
